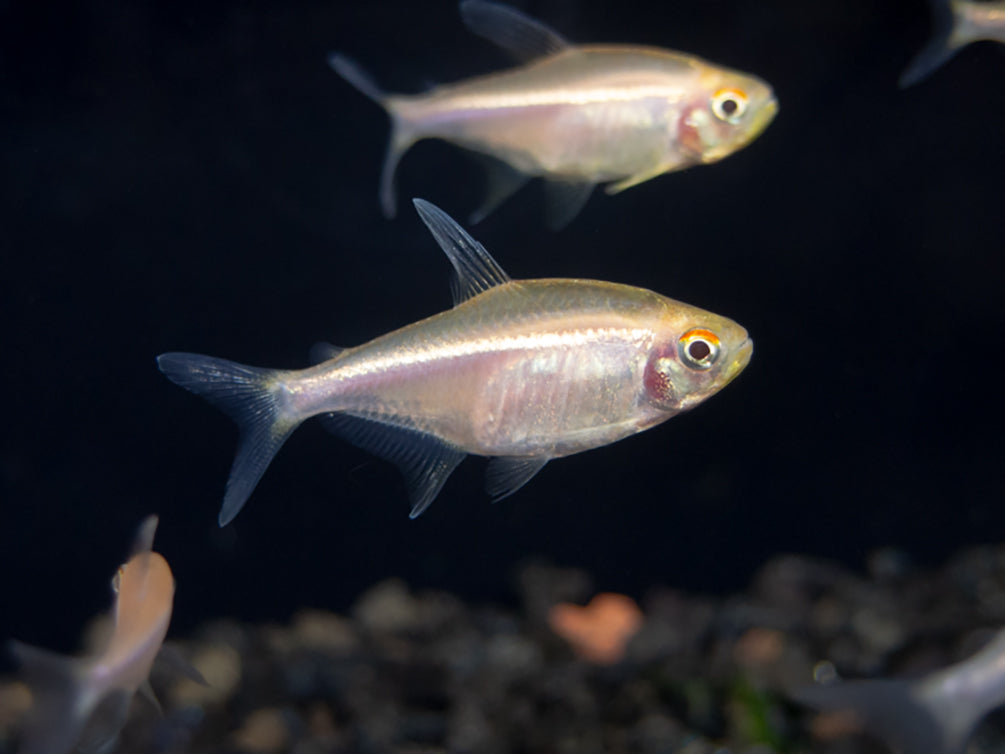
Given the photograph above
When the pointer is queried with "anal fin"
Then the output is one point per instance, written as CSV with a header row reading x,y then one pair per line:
x,y
424,460
506,474
564,201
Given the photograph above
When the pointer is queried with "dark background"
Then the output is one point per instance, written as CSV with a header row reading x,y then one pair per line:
x,y
192,176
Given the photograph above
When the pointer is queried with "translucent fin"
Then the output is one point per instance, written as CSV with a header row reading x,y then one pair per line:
x,y
502,180
940,48
322,352
101,733
635,180
402,135
894,711
248,396
144,541
523,37
60,704
147,692
475,271
564,201
425,461
171,658
505,475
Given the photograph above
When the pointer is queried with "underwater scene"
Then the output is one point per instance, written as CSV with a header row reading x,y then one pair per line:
x,y
559,376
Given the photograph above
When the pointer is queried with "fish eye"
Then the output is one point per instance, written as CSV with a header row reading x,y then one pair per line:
x,y
698,348
729,105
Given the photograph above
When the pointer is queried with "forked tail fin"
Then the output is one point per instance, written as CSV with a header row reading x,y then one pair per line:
x,y
403,133
249,396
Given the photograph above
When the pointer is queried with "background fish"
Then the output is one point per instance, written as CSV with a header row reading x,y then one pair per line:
x,y
956,24
523,371
576,115
83,703
936,714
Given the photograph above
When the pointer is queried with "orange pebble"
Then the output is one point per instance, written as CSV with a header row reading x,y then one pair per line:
x,y
600,631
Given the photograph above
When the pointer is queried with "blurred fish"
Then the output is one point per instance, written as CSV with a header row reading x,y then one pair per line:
x,y
523,371
575,115
956,24
83,702
936,714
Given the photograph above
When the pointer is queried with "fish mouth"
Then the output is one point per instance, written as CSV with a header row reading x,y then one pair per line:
x,y
740,360
763,118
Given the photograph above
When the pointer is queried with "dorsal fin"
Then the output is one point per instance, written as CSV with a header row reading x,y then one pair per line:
x,y
475,271
524,37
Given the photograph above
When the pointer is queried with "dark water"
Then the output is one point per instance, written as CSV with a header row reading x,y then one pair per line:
x,y
192,176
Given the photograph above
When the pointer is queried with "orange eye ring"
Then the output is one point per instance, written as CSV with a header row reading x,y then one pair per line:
x,y
698,348
729,105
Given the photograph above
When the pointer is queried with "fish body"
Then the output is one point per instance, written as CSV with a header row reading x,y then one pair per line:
x,y
576,115
82,703
521,371
935,714
956,24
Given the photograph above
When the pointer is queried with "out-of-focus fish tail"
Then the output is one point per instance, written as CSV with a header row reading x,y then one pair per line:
x,y
403,134
250,396
942,46
61,700
908,716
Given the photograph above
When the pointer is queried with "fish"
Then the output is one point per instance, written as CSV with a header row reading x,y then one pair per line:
x,y
82,703
956,23
521,371
573,115
934,714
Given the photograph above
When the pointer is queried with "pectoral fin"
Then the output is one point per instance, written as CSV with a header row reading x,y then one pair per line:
x,y
642,177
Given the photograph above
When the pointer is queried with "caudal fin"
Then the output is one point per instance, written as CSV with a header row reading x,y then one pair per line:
x,y
61,704
939,49
249,396
402,133
903,714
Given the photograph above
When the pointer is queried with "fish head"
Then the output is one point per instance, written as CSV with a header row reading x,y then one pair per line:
x,y
693,356
726,112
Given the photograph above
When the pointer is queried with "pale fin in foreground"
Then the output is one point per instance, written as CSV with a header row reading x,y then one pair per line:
x,y
502,182
895,711
939,49
564,200
402,136
520,35
247,395
60,702
475,271
144,541
425,461
506,474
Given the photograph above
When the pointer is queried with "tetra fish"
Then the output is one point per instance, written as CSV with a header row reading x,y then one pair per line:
x,y
83,702
956,24
574,115
522,371
935,714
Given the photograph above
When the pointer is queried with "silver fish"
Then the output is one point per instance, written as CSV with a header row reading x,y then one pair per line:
x,y
936,714
574,115
956,24
522,371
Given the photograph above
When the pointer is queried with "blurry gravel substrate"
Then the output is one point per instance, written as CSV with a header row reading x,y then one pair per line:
x,y
425,672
